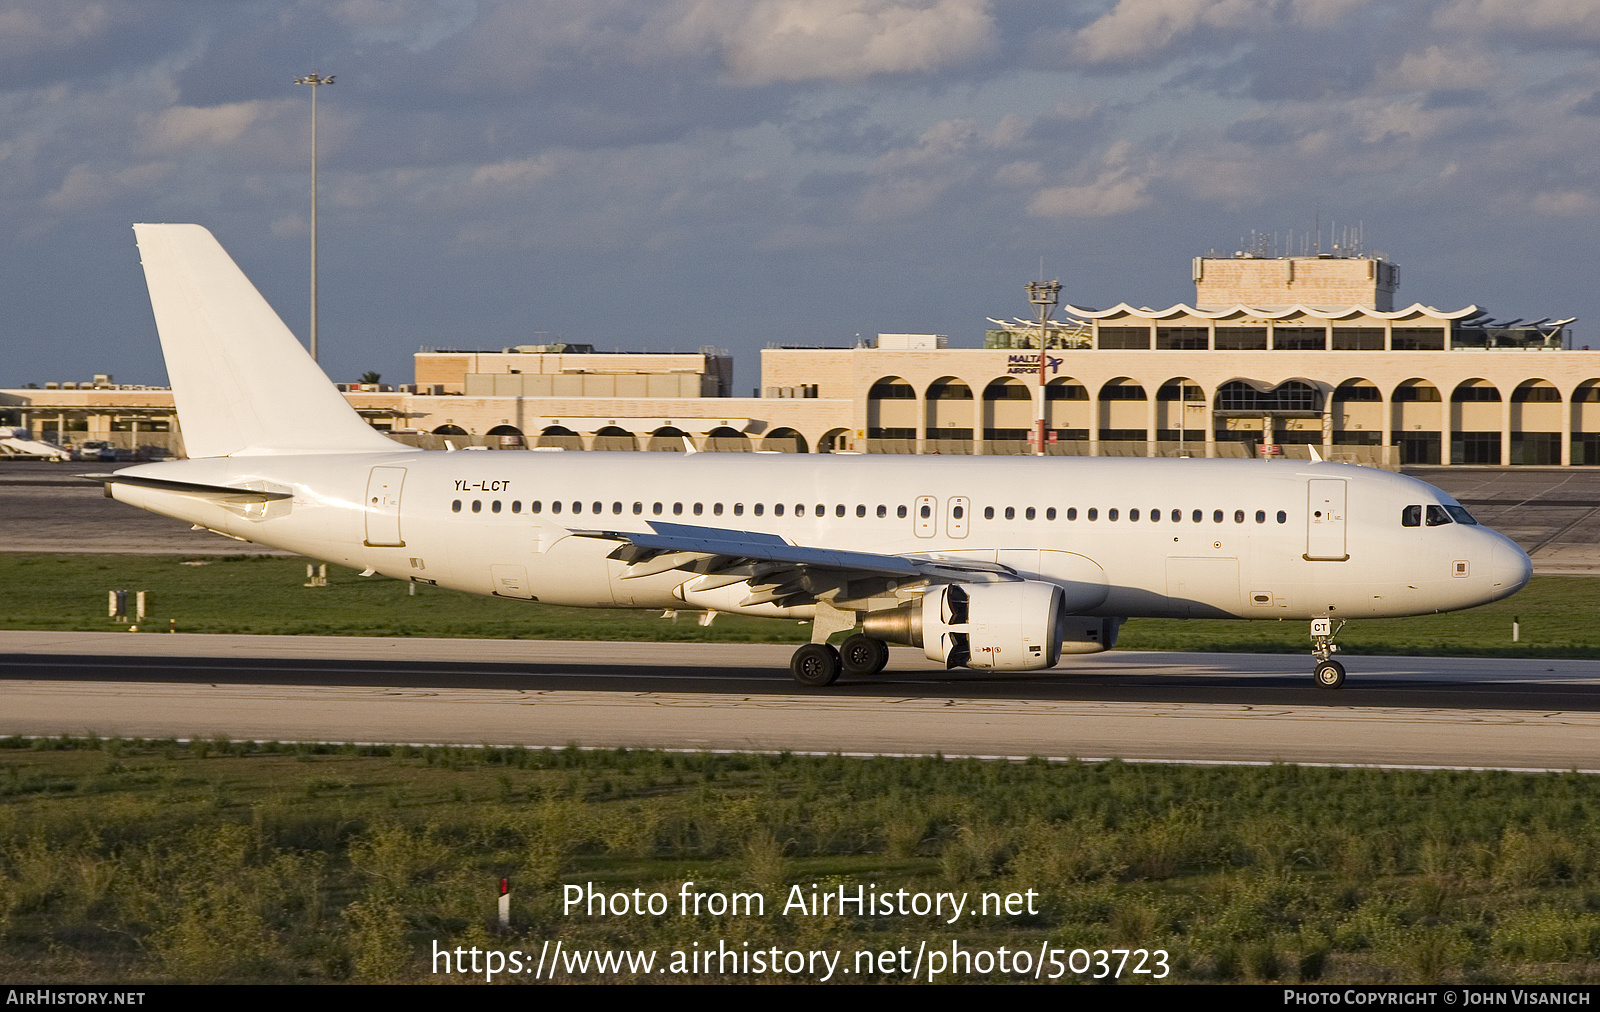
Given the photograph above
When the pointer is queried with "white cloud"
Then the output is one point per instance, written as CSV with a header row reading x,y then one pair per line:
x,y
1442,67
86,187
186,126
36,27
1564,203
1576,21
1138,29
838,40
1113,192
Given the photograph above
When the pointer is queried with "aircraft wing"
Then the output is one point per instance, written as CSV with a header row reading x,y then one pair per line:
x,y
776,570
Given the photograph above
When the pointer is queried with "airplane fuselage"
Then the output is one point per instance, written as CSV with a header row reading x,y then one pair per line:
x,y
1164,538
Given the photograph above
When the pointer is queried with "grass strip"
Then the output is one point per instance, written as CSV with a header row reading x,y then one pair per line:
x,y
217,861
264,595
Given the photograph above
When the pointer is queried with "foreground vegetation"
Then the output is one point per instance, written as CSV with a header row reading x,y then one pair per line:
x,y
217,861
257,594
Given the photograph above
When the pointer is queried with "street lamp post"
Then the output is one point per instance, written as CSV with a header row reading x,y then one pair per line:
x,y
316,81
1042,294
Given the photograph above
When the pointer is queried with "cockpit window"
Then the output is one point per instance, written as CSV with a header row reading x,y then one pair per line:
x,y
1411,516
1461,515
1437,516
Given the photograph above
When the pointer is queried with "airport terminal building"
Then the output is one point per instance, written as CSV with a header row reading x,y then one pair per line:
x,y
1275,356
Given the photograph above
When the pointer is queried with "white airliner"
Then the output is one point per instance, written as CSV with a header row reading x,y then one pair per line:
x,y
996,563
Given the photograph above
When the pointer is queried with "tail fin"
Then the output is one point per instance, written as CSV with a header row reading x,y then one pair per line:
x,y
242,383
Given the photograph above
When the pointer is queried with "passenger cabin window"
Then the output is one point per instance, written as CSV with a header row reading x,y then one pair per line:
x,y
861,510
1028,514
494,507
838,510
455,507
716,509
477,507
599,508
759,508
1198,516
1050,513
577,507
777,509
699,508
677,509
555,507
1238,516
516,505
1072,512
535,507
1177,516
883,511
1216,516
738,509
988,512
1437,517
1133,515
1011,512
1155,516
927,511
616,507
638,508
1283,517
1411,516
1111,515
1094,514
1261,516
900,511
958,512
656,509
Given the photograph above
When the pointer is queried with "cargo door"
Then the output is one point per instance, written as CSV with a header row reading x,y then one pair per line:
x,y
924,517
510,581
383,507
1325,535
960,510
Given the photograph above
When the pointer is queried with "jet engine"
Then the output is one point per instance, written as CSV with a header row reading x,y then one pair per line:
x,y
1018,626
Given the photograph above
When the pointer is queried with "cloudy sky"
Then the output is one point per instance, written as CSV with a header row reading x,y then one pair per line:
x,y
675,173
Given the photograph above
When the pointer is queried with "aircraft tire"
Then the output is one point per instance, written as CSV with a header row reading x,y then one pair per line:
x,y
863,655
815,665
1329,675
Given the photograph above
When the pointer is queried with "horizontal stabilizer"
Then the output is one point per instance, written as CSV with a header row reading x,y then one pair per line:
x,y
210,493
241,381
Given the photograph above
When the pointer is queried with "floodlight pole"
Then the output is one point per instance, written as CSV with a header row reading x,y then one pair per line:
x,y
1043,295
316,81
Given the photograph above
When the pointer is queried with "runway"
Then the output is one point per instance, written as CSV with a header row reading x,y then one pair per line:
x,y
1411,712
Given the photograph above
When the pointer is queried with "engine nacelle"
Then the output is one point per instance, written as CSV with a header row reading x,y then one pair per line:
x,y
1018,626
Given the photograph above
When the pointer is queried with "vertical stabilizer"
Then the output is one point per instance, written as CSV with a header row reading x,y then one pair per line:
x,y
241,382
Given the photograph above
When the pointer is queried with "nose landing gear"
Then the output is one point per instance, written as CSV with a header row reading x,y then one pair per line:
x,y
1329,673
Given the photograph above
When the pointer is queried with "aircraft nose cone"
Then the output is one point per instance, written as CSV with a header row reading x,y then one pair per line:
x,y
1511,568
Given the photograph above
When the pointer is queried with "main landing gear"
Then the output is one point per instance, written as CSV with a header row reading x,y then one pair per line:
x,y
818,664
1329,673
